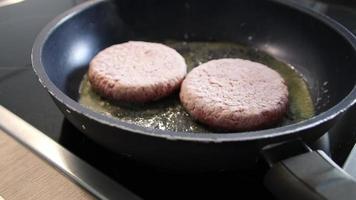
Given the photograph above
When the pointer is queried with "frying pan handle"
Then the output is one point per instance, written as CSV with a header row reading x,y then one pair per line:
x,y
312,175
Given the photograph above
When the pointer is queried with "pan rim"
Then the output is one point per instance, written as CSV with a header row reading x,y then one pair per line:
x,y
289,130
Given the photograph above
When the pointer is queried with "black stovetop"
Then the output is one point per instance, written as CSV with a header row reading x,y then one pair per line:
x,y
21,93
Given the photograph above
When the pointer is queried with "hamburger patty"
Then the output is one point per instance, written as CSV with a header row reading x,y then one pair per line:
x,y
136,71
234,95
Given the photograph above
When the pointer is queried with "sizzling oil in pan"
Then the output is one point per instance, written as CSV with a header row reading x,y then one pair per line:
x,y
168,113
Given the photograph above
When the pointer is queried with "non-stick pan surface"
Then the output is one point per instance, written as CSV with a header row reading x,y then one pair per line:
x,y
318,47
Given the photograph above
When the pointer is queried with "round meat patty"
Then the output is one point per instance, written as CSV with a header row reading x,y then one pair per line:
x,y
137,71
234,95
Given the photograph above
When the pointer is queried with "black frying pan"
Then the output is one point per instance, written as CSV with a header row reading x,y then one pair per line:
x,y
320,48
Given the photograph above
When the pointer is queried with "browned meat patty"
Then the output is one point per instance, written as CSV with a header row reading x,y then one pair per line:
x,y
234,95
137,71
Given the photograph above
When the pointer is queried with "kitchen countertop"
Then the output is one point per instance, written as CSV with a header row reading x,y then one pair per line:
x,y
25,176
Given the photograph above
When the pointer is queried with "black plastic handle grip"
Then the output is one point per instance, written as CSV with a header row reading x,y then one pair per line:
x,y
311,175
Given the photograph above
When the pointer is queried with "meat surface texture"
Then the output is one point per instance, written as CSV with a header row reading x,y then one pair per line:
x,y
137,71
235,95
